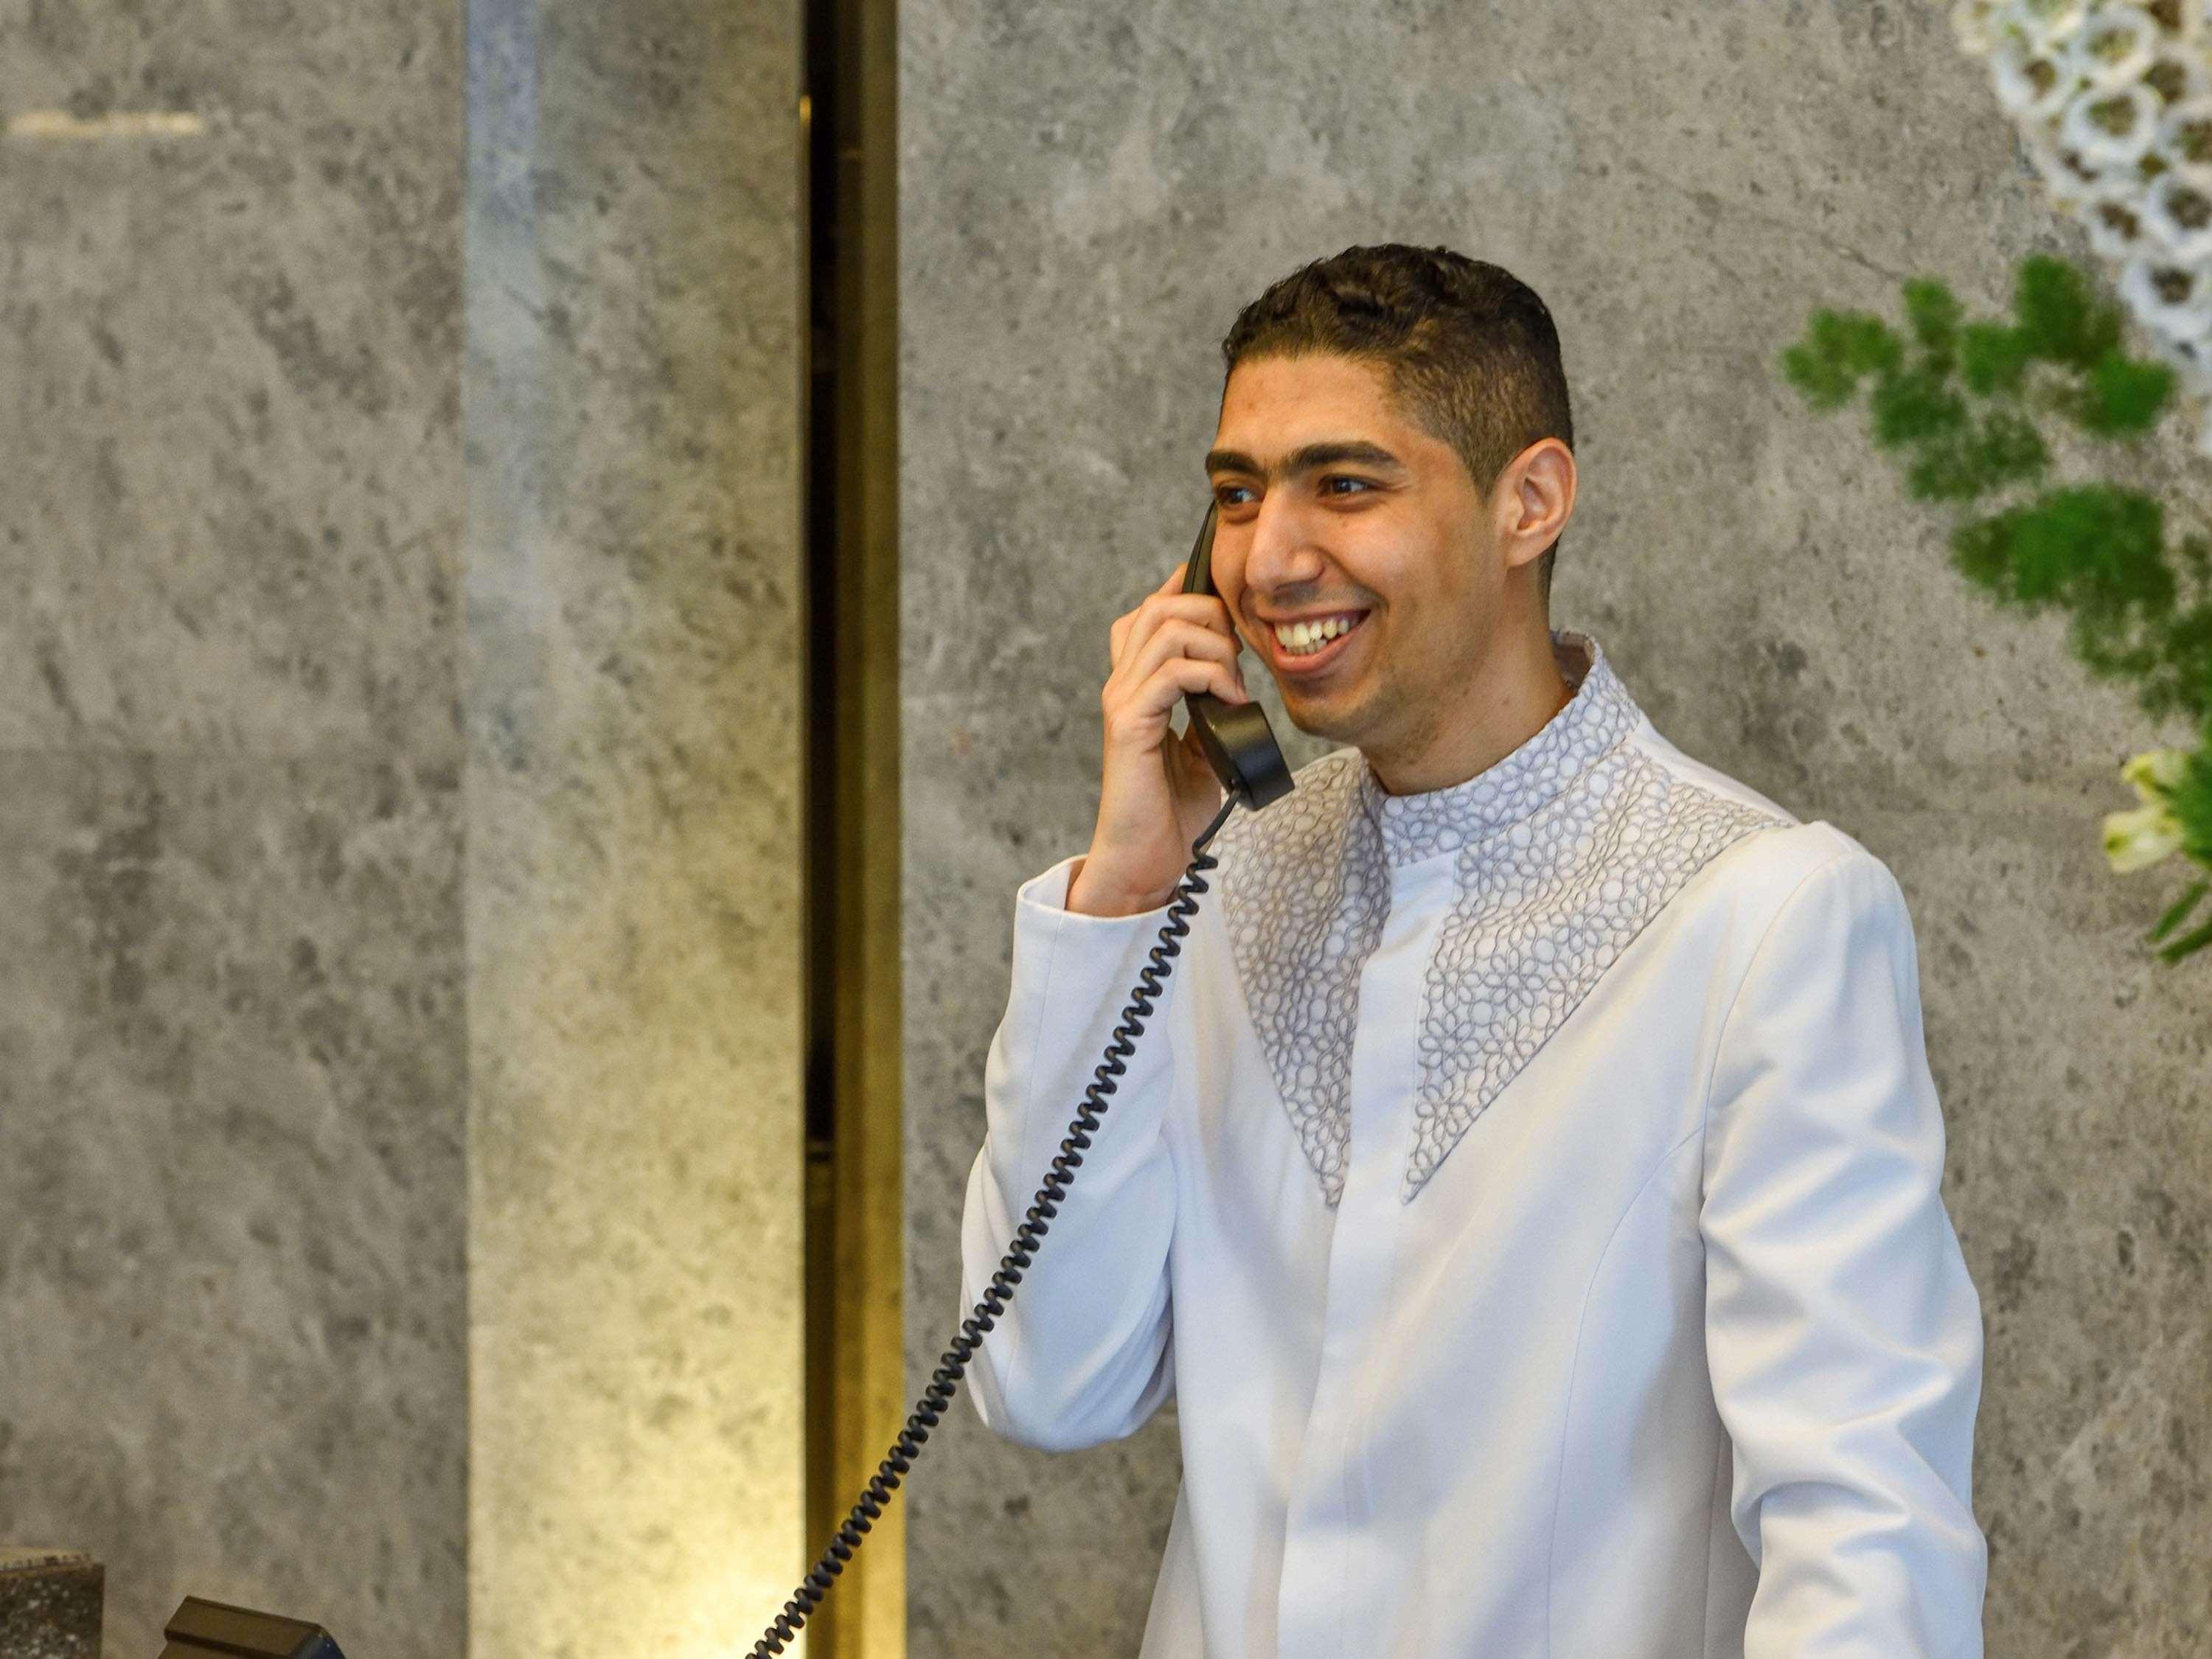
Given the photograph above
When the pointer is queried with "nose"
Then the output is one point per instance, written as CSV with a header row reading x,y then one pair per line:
x,y
1280,553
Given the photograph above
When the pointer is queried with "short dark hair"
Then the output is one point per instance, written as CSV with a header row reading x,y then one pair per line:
x,y
1469,348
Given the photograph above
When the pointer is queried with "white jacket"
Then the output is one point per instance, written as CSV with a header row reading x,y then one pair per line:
x,y
1529,1193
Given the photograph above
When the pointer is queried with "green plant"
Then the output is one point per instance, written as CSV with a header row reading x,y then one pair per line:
x,y
1961,404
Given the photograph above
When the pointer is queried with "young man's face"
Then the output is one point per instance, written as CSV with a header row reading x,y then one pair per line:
x,y
1335,507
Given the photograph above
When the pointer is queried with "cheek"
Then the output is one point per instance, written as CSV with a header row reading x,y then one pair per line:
x,y
1227,561
1229,584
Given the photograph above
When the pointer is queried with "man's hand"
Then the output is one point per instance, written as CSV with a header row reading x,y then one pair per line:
x,y
1158,792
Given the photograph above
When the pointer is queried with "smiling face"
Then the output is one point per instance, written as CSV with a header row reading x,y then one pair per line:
x,y
1358,558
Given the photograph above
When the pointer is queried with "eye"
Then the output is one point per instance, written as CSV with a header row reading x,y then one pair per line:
x,y
1361,485
1227,495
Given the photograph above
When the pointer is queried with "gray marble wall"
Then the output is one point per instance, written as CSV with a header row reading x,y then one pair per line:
x,y
399,970
634,811
233,1071
1090,194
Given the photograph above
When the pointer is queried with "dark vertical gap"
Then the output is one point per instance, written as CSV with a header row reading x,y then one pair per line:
x,y
852,1368
823,536
823,533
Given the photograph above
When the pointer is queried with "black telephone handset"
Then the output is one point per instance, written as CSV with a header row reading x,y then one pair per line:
x,y
1241,747
1238,742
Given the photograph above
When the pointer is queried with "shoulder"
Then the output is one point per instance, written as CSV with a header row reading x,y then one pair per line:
x,y
1760,874
1695,774
1811,899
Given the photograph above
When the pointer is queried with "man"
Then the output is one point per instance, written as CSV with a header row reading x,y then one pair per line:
x,y
1527,1187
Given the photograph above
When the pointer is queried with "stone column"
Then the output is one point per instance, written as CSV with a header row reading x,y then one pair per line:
x,y
633,801
232,1067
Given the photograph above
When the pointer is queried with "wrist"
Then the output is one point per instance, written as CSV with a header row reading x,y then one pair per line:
x,y
1091,894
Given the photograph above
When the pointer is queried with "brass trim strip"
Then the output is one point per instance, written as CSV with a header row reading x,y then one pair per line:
x,y
855,1377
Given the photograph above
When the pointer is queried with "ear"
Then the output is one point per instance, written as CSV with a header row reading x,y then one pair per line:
x,y
1533,500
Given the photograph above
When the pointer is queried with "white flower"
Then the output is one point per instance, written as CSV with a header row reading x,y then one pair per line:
x,y
2179,72
2154,772
2174,300
2184,139
2042,23
2112,100
2110,128
2137,839
2114,48
2113,213
2179,213
2188,17
2033,85
2067,183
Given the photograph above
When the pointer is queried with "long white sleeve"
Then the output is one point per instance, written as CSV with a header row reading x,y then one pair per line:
x,y
1082,1353
1842,1332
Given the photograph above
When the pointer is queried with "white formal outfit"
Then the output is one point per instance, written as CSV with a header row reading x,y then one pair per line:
x,y
1528,1192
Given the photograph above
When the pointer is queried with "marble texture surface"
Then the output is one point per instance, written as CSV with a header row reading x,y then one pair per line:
x,y
634,805
232,1067
400,975
1090,194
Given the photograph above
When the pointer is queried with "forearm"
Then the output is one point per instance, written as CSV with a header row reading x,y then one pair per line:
x,y
1080,1353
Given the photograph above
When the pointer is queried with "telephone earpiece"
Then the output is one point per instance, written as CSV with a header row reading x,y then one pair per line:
x,y
1239,744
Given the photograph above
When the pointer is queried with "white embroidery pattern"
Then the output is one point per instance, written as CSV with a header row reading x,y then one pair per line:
x,y
1595,720
1542,911
1565,849
1303,892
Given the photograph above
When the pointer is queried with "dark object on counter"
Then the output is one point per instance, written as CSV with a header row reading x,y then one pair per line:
x,y
201,1629
50,1603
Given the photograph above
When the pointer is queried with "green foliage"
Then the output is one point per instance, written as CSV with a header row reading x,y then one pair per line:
x,y
2191,801
1957,401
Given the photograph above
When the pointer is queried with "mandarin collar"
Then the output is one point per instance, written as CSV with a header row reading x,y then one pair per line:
x,y
1598,716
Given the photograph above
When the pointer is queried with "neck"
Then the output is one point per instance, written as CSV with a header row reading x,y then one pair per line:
x,y
1515,695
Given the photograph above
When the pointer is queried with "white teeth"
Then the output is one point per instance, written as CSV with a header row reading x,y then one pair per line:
x,y
1302,638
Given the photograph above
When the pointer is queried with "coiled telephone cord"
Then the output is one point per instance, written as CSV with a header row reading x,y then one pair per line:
x,y
954,1363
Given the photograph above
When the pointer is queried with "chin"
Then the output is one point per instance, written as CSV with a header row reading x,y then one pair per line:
x,y
1334,718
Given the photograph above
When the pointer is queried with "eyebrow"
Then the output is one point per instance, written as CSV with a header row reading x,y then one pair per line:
x,y
1309,458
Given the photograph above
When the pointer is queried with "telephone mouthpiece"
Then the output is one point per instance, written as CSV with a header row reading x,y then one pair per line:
x,y
1241,748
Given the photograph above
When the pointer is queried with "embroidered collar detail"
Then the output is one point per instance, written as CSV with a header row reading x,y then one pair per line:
x,y
1592,721
1564,850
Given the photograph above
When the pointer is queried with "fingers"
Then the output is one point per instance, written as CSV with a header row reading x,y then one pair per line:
x,y
1165,602
1176,637
1140,717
